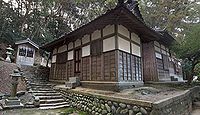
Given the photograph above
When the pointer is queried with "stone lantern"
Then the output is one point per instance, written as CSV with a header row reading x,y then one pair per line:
x,y
13,101
15,77
9,51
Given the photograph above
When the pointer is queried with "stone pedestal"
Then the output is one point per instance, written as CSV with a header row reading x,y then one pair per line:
x,y
12,102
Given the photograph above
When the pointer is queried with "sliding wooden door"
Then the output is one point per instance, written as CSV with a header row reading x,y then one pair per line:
x,y
77,62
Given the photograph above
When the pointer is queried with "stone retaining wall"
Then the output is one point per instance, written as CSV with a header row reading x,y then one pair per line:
x,y
103,105
38,71
97,104
178,105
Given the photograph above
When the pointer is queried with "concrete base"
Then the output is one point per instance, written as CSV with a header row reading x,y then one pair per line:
x,y
168,83
12,102
70,85
110,86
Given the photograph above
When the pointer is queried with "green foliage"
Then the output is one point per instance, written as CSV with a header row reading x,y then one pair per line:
x,y
44,20
173,15
197,70
189,47
189,50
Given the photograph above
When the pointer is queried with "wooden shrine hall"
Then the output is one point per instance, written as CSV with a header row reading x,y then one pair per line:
x,y
116,50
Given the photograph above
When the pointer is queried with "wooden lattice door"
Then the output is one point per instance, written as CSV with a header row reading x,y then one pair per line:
x,y
77,62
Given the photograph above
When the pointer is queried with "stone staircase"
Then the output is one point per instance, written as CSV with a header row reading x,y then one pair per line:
x,y
43,90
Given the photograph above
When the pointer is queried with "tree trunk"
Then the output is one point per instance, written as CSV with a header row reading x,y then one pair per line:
x,y
190,75
189,78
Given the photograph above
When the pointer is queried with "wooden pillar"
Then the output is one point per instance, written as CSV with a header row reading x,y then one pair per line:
x,y
116,53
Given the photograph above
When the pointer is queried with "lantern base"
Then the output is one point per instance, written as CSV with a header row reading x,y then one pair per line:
x,y
12,102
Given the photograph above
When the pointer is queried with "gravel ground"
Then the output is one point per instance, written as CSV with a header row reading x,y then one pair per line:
x,y
152,94
196,112
30,112
34,111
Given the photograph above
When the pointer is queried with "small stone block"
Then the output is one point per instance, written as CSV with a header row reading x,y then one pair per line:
x,y
1,108
71,85
12,102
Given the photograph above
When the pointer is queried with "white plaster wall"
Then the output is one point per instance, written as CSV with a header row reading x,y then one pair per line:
x,y
24,60
109,29
77,43
86,51
167,49
70,46
164,52
109,44
62,49
53,59
135,38
156,43
55,51
96,34
171,73
168,54
136,50
157,49
123,30
70,55
158,55
85,39
124,45
162,46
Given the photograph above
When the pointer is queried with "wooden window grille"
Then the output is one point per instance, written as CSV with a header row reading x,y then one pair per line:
x,y
29,53
22,52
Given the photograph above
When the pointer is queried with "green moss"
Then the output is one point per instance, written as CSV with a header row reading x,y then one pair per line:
x,y
66,111
72,110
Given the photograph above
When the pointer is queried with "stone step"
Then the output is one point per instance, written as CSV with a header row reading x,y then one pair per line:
x,y
47,94
196,105
55,107
36,91
37,84
54,104
37,81
42,89
50,97
51,100
1,108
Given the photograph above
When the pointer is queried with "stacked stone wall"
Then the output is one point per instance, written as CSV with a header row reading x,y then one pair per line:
x,y
102,105
38,71
96,104
177,105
